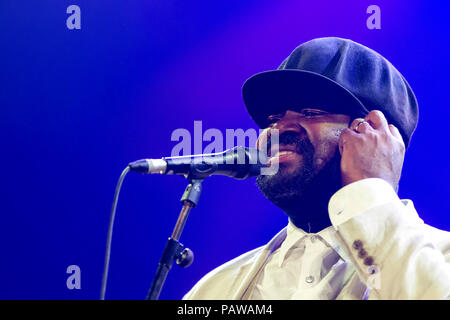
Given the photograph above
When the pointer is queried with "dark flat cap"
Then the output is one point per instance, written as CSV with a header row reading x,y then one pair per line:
x,y
336,75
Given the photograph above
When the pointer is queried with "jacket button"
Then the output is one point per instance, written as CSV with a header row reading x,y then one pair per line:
x,y
362,253
357,244
368,261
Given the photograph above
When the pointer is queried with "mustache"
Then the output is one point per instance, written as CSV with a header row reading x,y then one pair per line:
x,y
300,142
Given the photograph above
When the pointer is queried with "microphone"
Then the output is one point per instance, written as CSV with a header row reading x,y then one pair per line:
x,y
238,162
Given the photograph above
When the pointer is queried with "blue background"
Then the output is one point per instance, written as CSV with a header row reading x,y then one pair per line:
x,y
77,105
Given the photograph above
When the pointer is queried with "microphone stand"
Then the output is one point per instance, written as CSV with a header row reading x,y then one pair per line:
x,y
174,250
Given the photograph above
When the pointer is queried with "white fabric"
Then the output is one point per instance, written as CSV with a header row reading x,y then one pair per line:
x,y
411,260
304,267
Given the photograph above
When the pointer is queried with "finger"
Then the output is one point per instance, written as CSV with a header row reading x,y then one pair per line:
x,y
342,140
395,132
377,119
346,136
355,123
360,125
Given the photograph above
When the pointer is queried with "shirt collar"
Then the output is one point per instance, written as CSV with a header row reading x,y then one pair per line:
x,y
294,235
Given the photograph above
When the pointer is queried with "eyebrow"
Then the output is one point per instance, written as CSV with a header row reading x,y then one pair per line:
x,y
314,109
296,110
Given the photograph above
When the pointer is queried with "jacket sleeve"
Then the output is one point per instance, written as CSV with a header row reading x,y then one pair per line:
x,y
394,252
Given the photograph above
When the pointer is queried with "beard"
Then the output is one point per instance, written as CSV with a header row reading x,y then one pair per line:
x,y
305,190
284,186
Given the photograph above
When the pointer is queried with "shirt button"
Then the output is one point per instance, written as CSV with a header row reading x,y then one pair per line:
x,y
313,239
309,279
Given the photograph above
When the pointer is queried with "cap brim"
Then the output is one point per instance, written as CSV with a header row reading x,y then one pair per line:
x,y
272,92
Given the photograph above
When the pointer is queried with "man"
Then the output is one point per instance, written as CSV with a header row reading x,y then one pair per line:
x,y
344,116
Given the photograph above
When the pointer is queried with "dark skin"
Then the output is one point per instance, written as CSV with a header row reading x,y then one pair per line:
x,y
375,150
342,156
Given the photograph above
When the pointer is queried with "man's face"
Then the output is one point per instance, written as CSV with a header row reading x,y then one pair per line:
x,y
308,142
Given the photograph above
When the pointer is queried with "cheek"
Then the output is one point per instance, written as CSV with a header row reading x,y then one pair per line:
x,y
325,145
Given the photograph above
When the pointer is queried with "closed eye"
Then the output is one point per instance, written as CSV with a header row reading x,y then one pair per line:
x,y
306,113
309,113
274,118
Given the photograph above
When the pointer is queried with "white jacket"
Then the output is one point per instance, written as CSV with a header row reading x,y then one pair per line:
x,y
407,258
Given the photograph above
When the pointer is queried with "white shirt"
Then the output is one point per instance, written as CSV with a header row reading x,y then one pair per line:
x,y
408,259
306,266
